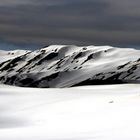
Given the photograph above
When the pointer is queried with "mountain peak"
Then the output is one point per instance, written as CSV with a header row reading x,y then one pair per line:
x,y
69,65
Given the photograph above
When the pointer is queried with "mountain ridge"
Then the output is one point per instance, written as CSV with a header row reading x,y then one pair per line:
x,y
69,65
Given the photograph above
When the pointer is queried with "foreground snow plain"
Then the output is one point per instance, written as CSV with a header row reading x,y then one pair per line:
x,y
104,112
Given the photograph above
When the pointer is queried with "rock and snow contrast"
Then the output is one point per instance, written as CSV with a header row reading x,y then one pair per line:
x,y
95,112
68,66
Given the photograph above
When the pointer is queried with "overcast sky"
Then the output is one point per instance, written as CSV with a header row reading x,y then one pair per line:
x,y
29,24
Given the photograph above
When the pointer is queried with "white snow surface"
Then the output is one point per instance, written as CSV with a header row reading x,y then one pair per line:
x,y
108,112
7,55
69,65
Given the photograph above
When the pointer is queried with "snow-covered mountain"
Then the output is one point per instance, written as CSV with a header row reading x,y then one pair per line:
x,y
66,66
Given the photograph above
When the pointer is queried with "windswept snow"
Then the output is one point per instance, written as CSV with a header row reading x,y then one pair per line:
x,y
66,66
99,112
109,112
7,55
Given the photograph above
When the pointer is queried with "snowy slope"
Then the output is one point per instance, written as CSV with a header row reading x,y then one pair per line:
x,y
110,112
7,55
66,66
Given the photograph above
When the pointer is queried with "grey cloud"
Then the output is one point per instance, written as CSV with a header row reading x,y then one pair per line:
x,y
78,22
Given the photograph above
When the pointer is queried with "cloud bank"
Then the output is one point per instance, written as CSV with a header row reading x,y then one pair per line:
x,y
81,22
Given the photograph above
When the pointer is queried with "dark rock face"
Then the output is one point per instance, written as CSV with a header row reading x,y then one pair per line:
x,y
68,66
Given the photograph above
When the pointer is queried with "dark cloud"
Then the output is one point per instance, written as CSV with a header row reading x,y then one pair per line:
x,y
35,23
